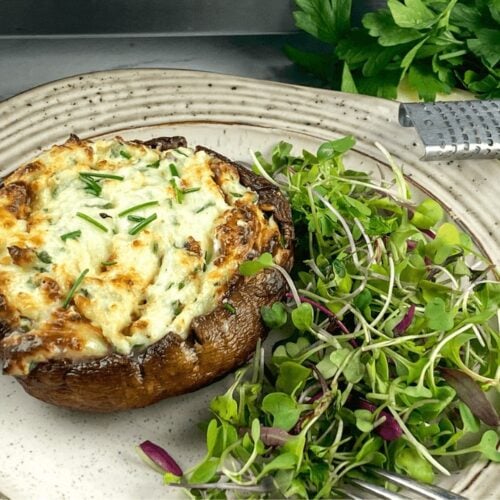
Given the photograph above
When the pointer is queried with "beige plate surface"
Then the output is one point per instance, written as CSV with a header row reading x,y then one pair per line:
x,y
49,452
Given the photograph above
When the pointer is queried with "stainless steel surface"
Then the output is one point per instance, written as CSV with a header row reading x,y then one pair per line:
x,y
376,490
455,130
28,18
425,490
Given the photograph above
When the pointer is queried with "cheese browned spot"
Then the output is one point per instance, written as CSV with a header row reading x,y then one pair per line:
x,y
158,243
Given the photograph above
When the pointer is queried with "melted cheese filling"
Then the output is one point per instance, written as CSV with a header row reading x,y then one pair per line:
x,y
150,268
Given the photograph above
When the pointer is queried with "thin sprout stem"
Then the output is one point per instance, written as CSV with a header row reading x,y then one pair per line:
x,y
435,353
291,284
388,192
389,293
480,339
366,238
344,224
398,340
397,172
262,171
419,447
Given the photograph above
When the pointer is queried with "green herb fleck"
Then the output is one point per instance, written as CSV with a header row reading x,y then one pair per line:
x,y
173,170
125,154
92,221
136,208
155,164
74,288
204,207
44,257
108,263
229,307
141,225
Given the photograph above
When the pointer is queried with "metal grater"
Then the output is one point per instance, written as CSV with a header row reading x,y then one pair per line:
x,y
455,130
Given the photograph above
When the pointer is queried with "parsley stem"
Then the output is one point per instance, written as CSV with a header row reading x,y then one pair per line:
x,y
92,221
135,208
73,289
141,225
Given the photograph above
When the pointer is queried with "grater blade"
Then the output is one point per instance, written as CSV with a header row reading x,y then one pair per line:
x,y
455,130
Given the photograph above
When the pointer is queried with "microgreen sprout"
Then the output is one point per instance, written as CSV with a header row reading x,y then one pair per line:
x,y
387,340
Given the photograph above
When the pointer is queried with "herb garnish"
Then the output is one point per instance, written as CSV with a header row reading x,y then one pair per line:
x,y
383,356
74,288
173,170
108,263
155,164
44,257
433,46
191,190
179,193
135,218
102,175
229,307
204,207
125,154
135,208
72,235
92,221
141,225
92,185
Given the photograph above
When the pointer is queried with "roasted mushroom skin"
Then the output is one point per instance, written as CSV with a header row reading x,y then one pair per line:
x,y
217,342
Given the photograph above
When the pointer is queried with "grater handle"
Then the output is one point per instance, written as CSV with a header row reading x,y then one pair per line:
x,y
455,130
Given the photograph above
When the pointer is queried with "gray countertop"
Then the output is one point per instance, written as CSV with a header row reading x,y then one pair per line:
x,y
25,63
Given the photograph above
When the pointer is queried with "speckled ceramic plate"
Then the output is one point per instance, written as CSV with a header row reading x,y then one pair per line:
x,y
49,452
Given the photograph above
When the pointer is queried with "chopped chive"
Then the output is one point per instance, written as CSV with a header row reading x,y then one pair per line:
x,y
173,170
91,186
92,221
155,164
44,257
181,285
169,286
73,289
108,205
229,307
191,190
177,306
138,207
236,195
72,235
109,263
125,154
141,225
180,152
135,218
155,248
179,193
101,175
204,207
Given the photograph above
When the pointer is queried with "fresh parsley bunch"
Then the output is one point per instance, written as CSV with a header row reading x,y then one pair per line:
x,y
381,352
433,45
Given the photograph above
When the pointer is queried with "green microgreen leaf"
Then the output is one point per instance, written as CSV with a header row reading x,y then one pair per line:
x,y
427,214
284,410
303,316
252,267
274,316
438,318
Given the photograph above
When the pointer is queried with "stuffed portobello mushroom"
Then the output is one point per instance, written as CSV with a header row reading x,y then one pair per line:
x,y
119,282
